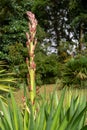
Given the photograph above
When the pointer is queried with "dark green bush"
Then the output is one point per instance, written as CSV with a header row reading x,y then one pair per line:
x,y
47,68
75,72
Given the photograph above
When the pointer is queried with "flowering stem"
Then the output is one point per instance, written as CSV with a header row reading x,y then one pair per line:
x,y
31,44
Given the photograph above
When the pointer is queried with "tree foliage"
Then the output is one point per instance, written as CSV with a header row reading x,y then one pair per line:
x,y
78,19
53,17
13,25
13,21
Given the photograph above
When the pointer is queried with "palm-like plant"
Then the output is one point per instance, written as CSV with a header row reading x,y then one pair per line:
x,y
75,72
5,80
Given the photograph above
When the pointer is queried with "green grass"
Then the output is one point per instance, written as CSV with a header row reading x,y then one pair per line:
x,y
49,89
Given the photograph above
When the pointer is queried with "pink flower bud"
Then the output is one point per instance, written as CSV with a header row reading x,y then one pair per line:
x,y
32,30
30,15
33,22
27,35
32,65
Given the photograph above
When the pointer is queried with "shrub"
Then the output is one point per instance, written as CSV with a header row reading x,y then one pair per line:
x,y
47,68
75,72
15,56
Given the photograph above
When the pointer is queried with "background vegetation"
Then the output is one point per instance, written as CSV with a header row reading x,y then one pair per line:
x,y
61,33
60,57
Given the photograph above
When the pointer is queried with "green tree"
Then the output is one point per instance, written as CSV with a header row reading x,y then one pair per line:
x,y
78,19
13,23
53,18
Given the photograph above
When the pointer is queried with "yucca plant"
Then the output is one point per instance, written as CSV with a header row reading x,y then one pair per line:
x,y
75,72
5,80
50,115
31,44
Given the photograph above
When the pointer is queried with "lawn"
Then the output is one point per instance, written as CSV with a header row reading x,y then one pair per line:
x,y
19,94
